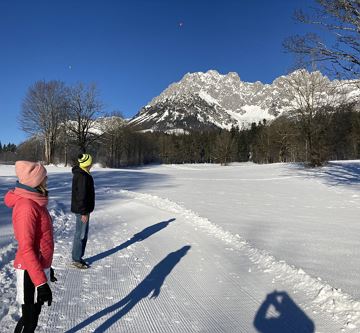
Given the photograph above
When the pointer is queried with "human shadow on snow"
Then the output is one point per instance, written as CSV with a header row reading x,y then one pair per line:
x,y
138,237
279,313
150,285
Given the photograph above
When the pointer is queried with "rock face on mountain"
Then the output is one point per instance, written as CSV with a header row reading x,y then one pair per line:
x,y
212,100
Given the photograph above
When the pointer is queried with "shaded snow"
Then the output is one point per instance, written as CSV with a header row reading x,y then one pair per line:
x,y
252,114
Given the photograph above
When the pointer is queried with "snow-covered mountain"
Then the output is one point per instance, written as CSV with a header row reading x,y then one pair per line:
x,y
203,100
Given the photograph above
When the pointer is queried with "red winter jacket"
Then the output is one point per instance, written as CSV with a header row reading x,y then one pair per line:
x,y
33,231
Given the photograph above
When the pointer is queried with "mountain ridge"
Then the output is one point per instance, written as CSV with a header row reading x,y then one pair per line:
x,y
213,100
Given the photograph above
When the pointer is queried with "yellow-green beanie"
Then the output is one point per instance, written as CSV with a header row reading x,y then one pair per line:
x,y
84,160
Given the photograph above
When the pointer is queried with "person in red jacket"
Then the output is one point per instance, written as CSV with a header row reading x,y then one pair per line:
x,y
33,231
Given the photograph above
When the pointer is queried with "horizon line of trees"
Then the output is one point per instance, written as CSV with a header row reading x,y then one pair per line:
x,y
65,120
8,152
335,134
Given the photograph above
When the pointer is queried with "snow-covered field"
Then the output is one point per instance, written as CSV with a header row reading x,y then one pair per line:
x,y
203,248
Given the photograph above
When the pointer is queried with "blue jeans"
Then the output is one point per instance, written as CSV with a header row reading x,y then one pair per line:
x,y
80,239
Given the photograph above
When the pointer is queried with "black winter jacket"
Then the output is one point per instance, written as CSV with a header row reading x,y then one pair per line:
x,y
83,192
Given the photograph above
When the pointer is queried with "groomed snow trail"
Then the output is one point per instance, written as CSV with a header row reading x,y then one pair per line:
x,y
141,247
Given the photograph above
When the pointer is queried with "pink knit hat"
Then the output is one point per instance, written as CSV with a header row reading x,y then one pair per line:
x,y
30,173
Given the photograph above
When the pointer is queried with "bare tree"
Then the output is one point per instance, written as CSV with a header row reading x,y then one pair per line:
x,y
312,97
66,143
31,149
224,149
44,109
112,140
84,107
342,19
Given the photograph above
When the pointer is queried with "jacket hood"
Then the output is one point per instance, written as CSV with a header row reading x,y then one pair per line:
x,y
77,169
13,196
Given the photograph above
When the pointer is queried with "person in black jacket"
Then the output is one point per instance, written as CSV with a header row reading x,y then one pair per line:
x,y
82,204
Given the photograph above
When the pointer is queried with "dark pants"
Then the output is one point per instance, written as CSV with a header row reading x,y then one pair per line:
x,y
30,310
80,239
29,319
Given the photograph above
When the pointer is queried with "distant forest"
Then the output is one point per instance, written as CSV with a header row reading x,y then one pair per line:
x,y
334,135
8,152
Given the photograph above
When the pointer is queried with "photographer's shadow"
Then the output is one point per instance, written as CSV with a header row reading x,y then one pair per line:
x,y
140,236
279,314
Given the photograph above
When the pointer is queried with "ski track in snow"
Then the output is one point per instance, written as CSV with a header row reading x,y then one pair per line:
x,y
90,299
329,299
242,179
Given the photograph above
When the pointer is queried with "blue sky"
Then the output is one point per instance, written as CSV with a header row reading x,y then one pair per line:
x,y
133,49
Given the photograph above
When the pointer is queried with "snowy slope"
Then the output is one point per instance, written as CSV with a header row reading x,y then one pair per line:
x,y
210,242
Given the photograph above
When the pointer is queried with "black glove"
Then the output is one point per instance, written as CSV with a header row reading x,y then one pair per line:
x,y
44,294
52,275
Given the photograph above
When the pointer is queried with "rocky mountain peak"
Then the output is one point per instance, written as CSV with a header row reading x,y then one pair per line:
x,y
202,100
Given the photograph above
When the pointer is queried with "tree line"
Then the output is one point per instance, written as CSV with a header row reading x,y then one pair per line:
x,y
8,152
335,134
318,121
